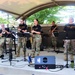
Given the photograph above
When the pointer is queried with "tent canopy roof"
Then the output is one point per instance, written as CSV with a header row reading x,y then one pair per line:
x,y
25,8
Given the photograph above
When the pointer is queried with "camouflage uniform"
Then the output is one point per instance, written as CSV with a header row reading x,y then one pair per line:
x,y
6,33
36,44
1,45
9,38
21,40
69,44
54,40
36,41
21,44
54,35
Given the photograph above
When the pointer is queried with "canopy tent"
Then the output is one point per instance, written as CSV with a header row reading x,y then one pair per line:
x,y
25,8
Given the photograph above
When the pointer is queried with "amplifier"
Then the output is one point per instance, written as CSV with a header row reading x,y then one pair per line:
x,y
45,62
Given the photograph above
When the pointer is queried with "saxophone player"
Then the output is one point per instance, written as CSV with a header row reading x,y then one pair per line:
x,y
36,31
22,28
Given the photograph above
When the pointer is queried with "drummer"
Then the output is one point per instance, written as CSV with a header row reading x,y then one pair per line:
x,y
22,28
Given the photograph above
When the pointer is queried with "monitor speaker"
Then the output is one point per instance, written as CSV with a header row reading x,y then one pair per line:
x,y
45,62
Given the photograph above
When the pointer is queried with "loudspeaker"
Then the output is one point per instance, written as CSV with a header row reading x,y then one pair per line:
x,y
45,62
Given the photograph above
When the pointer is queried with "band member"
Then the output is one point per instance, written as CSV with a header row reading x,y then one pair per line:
x,y
36,31
69,44
6,32
54,32
22,28
1,45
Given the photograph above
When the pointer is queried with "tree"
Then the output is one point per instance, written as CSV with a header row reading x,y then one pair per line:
x,y
46,15
3,21
6,18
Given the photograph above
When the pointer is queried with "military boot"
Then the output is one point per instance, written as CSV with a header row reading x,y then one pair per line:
x,y
33,55
65,57
18,54
37,53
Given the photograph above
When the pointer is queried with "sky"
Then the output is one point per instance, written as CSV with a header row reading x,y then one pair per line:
x,y
68,12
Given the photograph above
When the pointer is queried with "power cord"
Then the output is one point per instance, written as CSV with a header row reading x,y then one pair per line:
x,y
4,64
57,66
19,66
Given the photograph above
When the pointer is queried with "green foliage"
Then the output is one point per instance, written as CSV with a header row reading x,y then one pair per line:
x,y
46,16
3,21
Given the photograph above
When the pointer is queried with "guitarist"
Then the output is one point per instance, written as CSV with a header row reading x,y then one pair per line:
x,y
54,33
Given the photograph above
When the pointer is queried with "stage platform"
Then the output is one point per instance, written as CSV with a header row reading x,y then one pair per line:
x,y
21,67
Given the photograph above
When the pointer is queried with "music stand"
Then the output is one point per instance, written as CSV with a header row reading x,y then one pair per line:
x,y
66,36
12,36
10,47
26,35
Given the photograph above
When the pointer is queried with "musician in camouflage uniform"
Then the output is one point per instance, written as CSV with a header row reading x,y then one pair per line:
x,y
4,33
36,31
22,28
1,45
54,32
69,44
